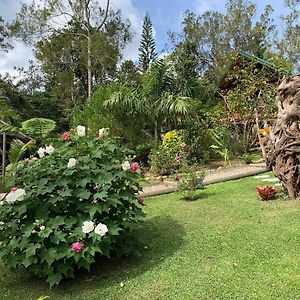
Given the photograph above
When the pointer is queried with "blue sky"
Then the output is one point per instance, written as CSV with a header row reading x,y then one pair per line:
x,y
166,15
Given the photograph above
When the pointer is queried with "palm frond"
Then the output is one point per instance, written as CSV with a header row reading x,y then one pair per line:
x,y
8,128
128,101
18,148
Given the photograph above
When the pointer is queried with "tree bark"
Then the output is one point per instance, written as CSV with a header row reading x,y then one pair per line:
x,y
89,65
283,155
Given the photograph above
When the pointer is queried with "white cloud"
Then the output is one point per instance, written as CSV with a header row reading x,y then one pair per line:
x,y
202,6
18,57
21,54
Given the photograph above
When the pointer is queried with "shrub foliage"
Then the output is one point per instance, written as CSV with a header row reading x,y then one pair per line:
x,y
80,181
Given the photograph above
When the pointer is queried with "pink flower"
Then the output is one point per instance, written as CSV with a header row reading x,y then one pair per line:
x,y
177,158
66,136
14,189
134,166
141,200
26,161
77,247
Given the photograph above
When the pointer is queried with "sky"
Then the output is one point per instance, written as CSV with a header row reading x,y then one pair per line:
x,y
166,15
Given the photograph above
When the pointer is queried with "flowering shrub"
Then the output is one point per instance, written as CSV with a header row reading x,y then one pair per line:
x,y
166,159
189,182
266,192
76,201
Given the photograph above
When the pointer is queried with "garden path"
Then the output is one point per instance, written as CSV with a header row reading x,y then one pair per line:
x,y
211,176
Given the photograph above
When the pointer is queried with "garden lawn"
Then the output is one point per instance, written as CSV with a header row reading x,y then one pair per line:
x,y
226,245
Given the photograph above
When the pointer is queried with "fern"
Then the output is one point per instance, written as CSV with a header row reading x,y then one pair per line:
x,y
38,127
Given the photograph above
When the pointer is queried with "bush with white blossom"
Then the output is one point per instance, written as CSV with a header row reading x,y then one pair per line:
x,y
78,200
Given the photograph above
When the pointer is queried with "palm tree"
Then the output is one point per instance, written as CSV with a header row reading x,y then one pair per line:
x,y
157,100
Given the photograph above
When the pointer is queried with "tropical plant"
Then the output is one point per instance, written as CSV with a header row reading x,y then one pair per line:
x,y
157,101
38,127
266,192
16,151
220,145
77,201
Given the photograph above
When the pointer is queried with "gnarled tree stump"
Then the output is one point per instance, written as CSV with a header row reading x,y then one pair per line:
x,y
284,150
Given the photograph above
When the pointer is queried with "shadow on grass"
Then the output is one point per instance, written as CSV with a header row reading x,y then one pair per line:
x,y
164,236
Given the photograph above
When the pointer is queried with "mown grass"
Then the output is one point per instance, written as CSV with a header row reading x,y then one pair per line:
x,y
226,245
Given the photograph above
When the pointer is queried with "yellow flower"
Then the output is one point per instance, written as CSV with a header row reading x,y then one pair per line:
x,y
169,135
264,131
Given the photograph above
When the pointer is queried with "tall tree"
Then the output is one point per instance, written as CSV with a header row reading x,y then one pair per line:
x,y
287,40
147,45
43,18
4,44
216,35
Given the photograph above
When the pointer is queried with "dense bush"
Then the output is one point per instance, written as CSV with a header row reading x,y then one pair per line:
x,y
77,200
166,158
142,153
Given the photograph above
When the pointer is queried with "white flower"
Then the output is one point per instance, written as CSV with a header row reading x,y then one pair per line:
x,y
42,228
126,165
41,152
72,162
80,130
101,132
101,229
17,195
1,223
87,227
49,149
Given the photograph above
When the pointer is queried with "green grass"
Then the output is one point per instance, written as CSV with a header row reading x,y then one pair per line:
x,y
226,245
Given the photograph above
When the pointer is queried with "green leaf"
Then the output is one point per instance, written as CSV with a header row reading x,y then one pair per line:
x,y
83,263
84,194
56,222
66,193
95,208
100,195
12,260
54,279
58,237
48,255
31,249
63,268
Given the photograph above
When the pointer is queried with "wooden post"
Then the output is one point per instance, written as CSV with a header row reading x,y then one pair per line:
x,y
3,156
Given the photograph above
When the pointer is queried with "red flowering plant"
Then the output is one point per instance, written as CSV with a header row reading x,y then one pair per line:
x,y
266,192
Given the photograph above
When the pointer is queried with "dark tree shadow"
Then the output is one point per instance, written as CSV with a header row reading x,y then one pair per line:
x,y
163,236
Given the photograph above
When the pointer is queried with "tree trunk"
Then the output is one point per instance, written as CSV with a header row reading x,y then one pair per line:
x,y
89,65
3,156
156,134
283,155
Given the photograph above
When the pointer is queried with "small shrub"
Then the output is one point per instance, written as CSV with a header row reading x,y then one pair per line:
x,y
166,159
266,192
77,201
189,183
